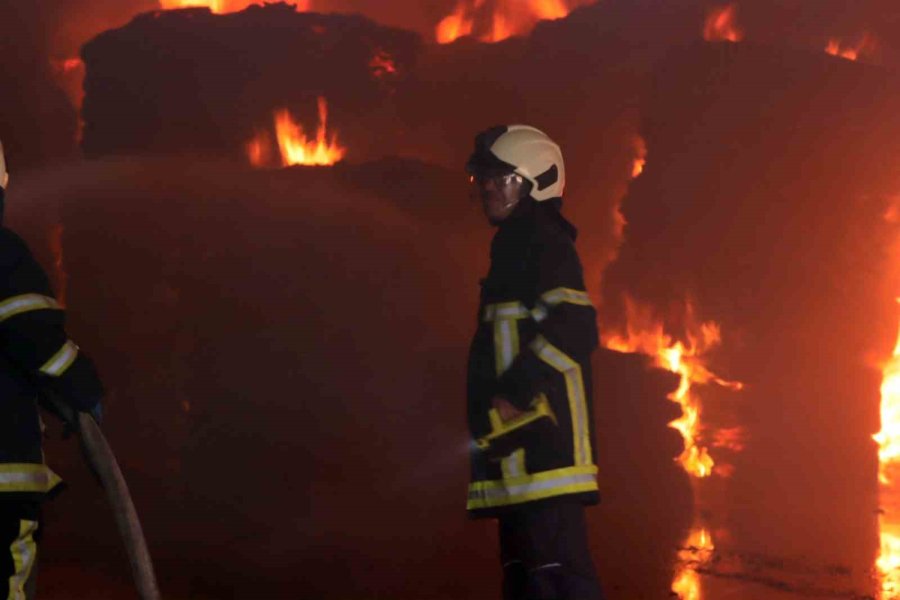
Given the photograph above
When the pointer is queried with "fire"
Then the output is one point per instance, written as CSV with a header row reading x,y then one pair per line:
x,y
697,551
721,25
498,20
865,46
646,335
224,6
888,439
295,148
640,157
455,25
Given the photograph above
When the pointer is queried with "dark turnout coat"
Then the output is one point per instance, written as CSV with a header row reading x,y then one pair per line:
x,y
536,331
35,354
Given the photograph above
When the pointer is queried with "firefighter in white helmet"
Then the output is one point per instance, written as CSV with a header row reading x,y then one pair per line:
x,y
37,359
529,373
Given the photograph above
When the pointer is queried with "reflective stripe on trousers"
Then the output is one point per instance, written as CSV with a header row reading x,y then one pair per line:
x,y
23,550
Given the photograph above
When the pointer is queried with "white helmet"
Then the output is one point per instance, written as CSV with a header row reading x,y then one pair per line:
x,y
523,150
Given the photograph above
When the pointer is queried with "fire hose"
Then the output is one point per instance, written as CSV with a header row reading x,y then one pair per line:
x,y
103,463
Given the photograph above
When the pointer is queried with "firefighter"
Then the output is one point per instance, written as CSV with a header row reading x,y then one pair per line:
x,y
37,361
529,373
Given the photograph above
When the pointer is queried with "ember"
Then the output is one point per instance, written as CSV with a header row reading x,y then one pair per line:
x,y
864,47
721,25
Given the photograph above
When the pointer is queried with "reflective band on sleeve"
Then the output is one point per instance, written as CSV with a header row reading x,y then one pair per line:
x,y
560,295
61,361
27,477
24,555
26,303
571,372
537,486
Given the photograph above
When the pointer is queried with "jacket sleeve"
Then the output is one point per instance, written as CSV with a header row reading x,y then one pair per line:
x,y
32,330
566,325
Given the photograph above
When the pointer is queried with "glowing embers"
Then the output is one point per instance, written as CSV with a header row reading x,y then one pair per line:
x,y
646,335
293,145
865,47
224,6
697,551
721,25
498,20
382,65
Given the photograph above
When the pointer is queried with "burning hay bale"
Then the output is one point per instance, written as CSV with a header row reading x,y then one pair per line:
x,y
770,175
191,80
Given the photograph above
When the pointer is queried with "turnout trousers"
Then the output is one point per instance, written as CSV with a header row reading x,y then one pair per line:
x,y
545,553
19,533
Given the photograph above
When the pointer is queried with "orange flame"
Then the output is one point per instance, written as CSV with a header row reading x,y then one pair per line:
x,y
865,46
294,146
888,439
646,335
640,157
721,25
508,18
697,551
224,6
455,25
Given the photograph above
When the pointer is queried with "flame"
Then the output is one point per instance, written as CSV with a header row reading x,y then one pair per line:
x,y
646,335
865,46
62,278
499,20
224,6
888,440
69,75
640,157
295,148
721,25
455,25
697,551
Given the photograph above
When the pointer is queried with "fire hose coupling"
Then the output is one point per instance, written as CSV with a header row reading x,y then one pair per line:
x,y
510,433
